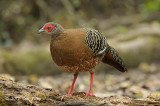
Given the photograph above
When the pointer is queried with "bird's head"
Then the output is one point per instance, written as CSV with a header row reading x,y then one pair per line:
x,y
51,28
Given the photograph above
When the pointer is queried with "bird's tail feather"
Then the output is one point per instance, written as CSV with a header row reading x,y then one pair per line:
x,y
112,58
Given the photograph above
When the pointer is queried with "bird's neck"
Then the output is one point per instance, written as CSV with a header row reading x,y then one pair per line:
x,y
56,33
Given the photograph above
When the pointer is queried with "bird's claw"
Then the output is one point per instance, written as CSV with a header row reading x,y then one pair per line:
x,y
89,93
69,94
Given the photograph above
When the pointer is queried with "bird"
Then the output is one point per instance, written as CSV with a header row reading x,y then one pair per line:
x,y
80,50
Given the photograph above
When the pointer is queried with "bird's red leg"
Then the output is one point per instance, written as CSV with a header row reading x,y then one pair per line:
x,y
90,91
71,88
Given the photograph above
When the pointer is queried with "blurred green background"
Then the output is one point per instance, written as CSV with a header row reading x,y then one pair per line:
x,y
130,26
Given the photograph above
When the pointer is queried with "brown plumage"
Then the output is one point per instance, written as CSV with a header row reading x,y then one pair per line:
x,y
80,50
69,51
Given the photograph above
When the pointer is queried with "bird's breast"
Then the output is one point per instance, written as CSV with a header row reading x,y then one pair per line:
x,y
70,52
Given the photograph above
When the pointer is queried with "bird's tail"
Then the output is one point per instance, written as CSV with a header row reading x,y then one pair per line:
x,y
112,58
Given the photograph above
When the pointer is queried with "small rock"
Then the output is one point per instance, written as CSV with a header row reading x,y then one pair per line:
x,y
125,84
144,67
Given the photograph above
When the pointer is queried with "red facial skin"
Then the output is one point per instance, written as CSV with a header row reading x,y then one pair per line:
x,y
49,27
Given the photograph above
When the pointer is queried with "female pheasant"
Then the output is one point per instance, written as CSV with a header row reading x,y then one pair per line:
x,y
80,50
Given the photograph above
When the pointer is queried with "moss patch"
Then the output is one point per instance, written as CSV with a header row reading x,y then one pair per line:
x,y
2,99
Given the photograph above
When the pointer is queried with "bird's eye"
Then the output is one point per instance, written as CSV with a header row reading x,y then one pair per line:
x,y
48,27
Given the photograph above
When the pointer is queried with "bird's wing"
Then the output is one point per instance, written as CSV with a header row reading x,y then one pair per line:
x,y
96,41
98,44
112,58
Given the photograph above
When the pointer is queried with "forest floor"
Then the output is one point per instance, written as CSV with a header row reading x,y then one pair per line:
x,y
117,89
135,83
138,86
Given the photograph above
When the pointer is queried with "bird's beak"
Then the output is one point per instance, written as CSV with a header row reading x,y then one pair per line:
x,y
41,30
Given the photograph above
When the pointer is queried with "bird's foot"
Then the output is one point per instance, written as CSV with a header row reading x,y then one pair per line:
x,y
69,94
89,93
